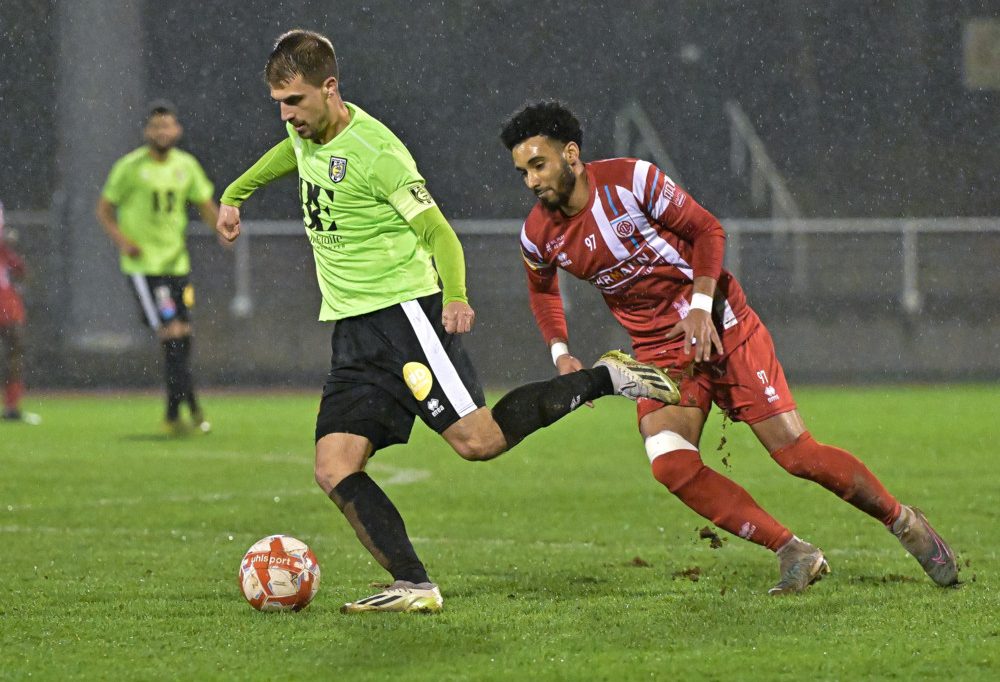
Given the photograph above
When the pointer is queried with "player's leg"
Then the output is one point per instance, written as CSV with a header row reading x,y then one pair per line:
x,y
793,447
443,382
11,337
671,433
485,434
843,474
445,389
365,408
340,462
790,444
157,308
174,340
180,334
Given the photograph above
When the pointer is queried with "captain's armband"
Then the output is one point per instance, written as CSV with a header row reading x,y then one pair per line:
x,y
411,200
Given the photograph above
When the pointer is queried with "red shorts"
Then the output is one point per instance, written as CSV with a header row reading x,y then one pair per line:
x,y
748,383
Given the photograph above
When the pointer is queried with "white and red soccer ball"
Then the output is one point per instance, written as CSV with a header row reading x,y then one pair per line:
x,y
279,573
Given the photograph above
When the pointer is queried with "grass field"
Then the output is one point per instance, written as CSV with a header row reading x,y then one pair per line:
x,y
561,560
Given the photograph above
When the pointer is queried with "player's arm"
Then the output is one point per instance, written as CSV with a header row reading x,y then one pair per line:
x,y
677,211
107,215
276,163
546,304
394,178
708,240
449,257
209,212
201,194
449,260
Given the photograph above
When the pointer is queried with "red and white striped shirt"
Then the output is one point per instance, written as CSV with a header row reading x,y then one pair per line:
x,y
641,240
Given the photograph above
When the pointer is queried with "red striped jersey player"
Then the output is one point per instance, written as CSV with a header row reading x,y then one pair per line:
x,y
656,256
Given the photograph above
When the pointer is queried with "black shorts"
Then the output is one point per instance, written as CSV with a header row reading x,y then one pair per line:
x,y
162,298
391,365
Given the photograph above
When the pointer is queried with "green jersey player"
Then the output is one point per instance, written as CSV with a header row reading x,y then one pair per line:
x,y
380,244
143,208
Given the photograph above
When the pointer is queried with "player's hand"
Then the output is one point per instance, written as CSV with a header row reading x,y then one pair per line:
x,y
130,249
458,317
699,335
228,224
567,364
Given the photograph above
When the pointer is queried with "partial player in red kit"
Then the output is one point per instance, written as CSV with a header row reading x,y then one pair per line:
x,y
12,330
656,256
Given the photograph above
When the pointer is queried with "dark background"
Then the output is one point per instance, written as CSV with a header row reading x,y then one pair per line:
x,y
862,106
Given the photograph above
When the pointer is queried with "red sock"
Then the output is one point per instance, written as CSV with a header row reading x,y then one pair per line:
x,y
841,473
718,499
12,395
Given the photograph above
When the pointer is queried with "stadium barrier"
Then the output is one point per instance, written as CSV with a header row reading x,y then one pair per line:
x,y
847,300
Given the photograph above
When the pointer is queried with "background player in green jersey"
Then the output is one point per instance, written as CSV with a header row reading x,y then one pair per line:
x,y
143,208
374,229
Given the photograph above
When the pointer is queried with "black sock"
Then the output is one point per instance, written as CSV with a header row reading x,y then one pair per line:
x,y
185,352
174,374
379,526
533,406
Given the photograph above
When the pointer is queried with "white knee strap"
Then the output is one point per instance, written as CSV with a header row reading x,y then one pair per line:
x,y
666,441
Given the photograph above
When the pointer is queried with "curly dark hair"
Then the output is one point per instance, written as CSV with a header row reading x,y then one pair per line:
x,y
550,119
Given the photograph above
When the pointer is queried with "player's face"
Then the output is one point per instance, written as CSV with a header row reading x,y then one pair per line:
x,y
545,167
162,132
304,105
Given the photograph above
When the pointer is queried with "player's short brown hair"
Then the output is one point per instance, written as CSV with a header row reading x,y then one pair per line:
x,y
304,53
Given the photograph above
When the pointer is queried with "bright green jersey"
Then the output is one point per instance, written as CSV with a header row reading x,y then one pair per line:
x,y
358,191
151,198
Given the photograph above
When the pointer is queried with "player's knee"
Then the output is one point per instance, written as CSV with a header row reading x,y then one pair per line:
x,y
479,444
329,472
674,461
176,329
478,448
797,457
476,437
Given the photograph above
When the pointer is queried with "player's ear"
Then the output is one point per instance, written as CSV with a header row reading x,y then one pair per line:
x,y
571,152
329,87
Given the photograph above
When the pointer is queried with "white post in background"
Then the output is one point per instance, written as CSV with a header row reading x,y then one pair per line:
x,y
912,300
100,101
242,304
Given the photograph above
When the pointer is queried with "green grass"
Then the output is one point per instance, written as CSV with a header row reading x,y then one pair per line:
x,y
561,560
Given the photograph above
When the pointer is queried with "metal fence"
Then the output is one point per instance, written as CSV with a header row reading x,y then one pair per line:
x,y
846,300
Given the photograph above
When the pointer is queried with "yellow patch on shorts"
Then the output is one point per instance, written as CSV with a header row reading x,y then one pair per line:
x,y
418,378
188,296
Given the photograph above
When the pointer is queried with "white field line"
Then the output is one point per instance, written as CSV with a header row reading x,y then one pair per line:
x,y
385,474
183,534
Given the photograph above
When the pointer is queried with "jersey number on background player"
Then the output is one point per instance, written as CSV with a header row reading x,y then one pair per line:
x,y
165,205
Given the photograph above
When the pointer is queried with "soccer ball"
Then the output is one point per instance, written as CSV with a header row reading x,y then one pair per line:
x,y
279,573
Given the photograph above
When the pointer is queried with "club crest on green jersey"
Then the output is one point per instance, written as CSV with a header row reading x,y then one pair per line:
x,y
420,193
338,168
